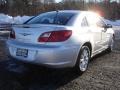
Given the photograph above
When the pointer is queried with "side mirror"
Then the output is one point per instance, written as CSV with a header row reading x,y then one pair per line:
x,y
108,26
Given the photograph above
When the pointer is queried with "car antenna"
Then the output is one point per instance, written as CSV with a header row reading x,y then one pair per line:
x,y
57,11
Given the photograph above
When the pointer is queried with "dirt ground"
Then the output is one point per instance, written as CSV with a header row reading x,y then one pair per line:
x,y
103,74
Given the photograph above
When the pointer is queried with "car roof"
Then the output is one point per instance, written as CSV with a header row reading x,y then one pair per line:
x,y
74,11
69,11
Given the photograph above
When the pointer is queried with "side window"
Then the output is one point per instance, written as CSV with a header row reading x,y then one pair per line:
x,y
84,22
100,23
95,20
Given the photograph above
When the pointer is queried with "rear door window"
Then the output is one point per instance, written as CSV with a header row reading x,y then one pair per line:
x,y
84,22
94,20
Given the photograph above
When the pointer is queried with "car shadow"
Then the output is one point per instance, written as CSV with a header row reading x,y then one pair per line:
x,y
37,77
103,53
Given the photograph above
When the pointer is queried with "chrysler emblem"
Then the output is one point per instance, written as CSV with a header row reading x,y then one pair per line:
x,y
25,34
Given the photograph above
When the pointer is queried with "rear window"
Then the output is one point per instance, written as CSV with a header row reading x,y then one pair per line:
x,y
59,18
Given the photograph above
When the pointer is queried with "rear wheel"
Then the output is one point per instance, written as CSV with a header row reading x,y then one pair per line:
x,y
83,59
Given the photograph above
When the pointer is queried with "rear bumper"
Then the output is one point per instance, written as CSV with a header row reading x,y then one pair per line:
x,y
50,56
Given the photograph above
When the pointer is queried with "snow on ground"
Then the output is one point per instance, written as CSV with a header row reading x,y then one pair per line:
x,y
113,23
20,19
6,18
13,20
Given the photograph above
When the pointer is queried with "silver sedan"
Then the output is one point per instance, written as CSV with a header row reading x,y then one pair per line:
x,y
60,39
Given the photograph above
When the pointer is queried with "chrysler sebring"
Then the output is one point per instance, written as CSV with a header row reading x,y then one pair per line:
x,y
59,39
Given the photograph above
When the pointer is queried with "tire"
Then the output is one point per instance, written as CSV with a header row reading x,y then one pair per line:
x,y
110,48
83,59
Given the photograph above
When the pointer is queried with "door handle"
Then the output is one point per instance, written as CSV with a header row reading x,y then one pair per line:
x,y
104,30
89,30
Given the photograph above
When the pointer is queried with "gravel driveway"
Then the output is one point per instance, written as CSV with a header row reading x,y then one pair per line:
x,y
103,74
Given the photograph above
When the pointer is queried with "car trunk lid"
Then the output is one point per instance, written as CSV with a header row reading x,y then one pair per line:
x,y
31,33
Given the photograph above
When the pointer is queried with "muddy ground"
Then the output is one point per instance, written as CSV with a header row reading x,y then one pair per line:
x,y
103,74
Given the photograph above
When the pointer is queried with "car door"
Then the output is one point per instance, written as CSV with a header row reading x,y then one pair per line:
x,y
96,32
105,35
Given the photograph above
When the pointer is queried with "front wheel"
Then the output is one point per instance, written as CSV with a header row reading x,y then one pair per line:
x,y
83,59
110,48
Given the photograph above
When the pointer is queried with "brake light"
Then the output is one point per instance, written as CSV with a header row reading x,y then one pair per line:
x,y
12,34
55,36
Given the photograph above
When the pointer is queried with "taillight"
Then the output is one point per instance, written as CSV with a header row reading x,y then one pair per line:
x,y
55,36
12,34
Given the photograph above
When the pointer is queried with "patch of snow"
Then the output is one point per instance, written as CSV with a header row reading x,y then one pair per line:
x,y
118,21
113,23
6,18
20,19
13,20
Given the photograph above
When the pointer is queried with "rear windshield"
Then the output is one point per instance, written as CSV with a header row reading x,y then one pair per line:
x,y
59,18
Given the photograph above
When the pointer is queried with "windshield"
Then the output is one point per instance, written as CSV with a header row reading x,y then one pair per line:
x,y
59,18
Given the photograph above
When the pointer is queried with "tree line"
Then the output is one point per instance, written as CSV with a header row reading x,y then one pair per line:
x,y
107,8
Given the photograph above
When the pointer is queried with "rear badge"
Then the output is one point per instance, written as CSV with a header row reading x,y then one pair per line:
x,y
25,34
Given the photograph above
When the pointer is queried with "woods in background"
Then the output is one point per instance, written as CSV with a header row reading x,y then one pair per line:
x,y
107,8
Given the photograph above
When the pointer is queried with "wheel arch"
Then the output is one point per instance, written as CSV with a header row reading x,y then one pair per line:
x,y
89,46
85,44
